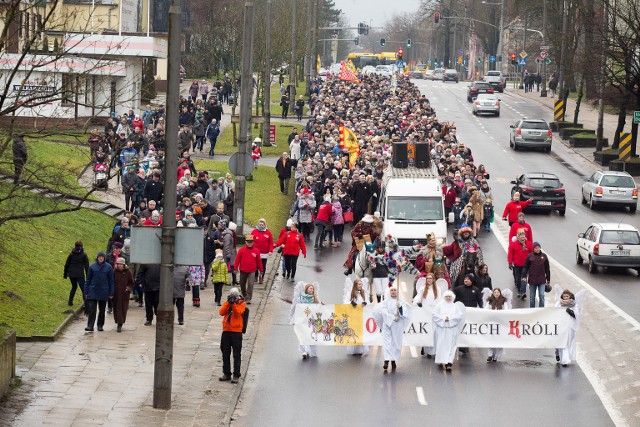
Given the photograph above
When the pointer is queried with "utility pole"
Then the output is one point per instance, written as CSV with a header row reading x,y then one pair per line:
x,y
524,47
603,79
314,40
563,47
308,49
163,361
246,87
543,89
464,41
500,36
266,109
292,65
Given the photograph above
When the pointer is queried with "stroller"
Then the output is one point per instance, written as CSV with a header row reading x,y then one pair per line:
x,y
101,176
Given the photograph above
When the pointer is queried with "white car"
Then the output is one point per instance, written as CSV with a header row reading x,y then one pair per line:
x,y
368,69
429,75
609,245
384,70
486,103
438,74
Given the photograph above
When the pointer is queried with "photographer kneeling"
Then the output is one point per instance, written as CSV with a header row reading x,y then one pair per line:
x,y
232,318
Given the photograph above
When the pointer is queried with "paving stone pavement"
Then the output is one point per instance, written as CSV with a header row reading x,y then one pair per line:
x,y
106,378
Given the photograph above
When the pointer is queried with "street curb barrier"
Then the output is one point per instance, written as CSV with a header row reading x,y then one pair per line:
x,y
50,338
625,146
558,110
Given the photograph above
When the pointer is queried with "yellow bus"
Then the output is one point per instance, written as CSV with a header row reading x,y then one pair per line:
x,y
387,58
361,60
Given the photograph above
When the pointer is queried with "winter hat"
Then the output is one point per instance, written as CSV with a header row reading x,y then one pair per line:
x,y
121,261
233,226
155,214
289,222
367,218
234,292
537,244
223,223
117,245
470,277
219,253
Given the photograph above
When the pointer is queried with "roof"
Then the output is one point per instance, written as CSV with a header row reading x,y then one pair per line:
x,y
540,175
615,226
617,173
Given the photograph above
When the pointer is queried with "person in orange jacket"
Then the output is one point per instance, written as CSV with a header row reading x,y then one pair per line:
x,y
248,262
232,312
514,207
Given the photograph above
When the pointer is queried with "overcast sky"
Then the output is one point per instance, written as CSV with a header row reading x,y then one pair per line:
x,y
378,11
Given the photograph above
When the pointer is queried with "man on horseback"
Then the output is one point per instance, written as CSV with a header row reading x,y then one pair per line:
x,y
457,251
369,225
431,259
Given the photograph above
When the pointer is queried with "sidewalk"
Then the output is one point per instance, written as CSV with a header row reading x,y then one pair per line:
x,y
106,378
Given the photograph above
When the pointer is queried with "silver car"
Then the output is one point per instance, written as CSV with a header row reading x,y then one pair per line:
x,y
486,103
530,133
609,245
610,188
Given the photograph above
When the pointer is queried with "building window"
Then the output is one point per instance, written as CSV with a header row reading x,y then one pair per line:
x,y
67,90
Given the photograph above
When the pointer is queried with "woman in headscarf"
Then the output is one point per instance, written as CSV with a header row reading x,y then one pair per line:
x,y
356,294
122,287
448,317
392,316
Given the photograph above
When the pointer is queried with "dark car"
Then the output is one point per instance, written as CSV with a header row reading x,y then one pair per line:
x,y
477,88
545,189
450,75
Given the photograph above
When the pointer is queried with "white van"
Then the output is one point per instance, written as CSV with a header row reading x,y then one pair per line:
x,y
411,205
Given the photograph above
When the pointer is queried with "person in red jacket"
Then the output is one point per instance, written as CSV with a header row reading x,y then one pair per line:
x,y
247,262
232,312
263,242
292,243
449,193
521,224
514,207
155,220
517,255
322,220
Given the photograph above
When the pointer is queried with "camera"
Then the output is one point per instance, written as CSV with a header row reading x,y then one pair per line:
x,y
231,299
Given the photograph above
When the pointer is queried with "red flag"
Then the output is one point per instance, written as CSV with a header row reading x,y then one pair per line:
x,y
347,74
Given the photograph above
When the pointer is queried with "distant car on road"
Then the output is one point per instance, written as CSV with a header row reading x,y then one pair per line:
x,y
384,70
530,133
438,74
322,72
609,245
546,190
476,88
368,69
610,188
416,74
486,103
496,80
450,75
429,75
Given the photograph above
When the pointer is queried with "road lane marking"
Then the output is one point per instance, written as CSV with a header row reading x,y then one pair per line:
x,y
504,150
420,393
575,212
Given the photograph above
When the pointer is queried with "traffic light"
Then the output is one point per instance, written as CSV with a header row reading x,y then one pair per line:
x,y
408,42
383,42
356,41
436,18
513,59
366,29
361,28
399,54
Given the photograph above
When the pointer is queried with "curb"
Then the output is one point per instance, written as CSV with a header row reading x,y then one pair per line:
x,y
269,280
50,338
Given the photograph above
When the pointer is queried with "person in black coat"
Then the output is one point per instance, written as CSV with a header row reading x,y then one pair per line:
x,y
75,269
209,255
360,196
154,189
149,276
283,167
469,295
19,157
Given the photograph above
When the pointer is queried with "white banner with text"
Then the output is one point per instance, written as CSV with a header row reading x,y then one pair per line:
x,y
343,324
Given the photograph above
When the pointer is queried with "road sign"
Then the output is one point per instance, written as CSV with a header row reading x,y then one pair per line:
x,y
636,117
545,47
547,61
459,52
233,164
401,64
492,59
544,54
522,61
539,60
523,54
459,59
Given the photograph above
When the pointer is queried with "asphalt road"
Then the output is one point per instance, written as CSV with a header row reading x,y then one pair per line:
x,y
337,388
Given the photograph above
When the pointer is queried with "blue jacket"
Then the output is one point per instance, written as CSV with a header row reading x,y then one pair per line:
x,y
99,284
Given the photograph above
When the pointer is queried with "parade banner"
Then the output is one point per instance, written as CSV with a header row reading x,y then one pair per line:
x,y
343,324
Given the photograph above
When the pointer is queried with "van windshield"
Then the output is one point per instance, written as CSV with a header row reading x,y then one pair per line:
x,y
415,208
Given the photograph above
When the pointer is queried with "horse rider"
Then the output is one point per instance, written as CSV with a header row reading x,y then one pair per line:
x,y
368,225
456,251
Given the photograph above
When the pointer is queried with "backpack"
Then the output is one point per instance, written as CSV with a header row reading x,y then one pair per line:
x,y
245,320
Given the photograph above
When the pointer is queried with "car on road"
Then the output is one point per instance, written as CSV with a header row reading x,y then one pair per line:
x,y
416,74
450,75
429,75
368,69
384,70
486,103
610,188
496,80
476,88
544,188
322,72
530,133
609,245
438,74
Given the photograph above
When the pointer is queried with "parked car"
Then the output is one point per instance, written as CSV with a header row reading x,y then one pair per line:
x,y
496,80
429,74
476,88
416,74
609,245
450,75
487,103
530,133
368,69
545,189
438,74
610,188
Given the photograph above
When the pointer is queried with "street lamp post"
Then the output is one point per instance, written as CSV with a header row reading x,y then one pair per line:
x,y
543,89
